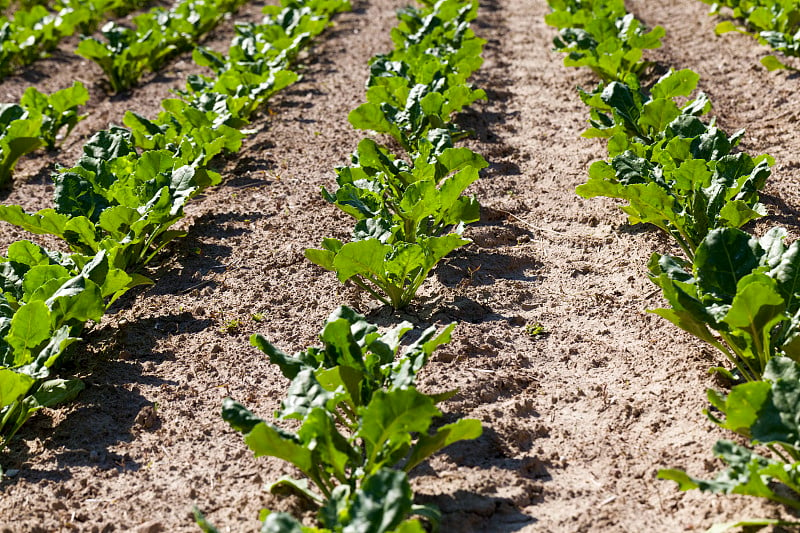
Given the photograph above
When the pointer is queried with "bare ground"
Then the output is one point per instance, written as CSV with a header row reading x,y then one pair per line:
x,y
577,420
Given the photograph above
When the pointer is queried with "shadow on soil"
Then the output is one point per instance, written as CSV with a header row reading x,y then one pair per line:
x,y
483,263
41,178
111,409
468,512
785,216
490,119
198,255
465,510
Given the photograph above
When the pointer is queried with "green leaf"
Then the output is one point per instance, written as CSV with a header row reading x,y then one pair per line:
x,y
266,439
427,445
381,504
772,63
39,275
341,346
349,378
290,366
361,257
300,487
725,256
333,453
238,416
726,26
388,421
30,327
51,351
77,300
756,308
13,386
743,406
46,221
323,258
657,114
54,392
675,83
305,394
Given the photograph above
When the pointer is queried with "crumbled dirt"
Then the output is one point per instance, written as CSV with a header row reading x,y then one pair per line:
x,y
577,418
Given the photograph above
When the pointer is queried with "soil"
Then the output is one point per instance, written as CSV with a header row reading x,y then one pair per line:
x,y
577,418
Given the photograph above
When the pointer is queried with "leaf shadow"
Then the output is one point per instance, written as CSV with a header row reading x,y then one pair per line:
x,y
467,512
118,359
199,255
486,260
471,510
785,215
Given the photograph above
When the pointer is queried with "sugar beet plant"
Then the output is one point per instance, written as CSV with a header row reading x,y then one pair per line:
x,y
674,170
774,23
413,91
131,186
603,37
38,120
764,413
410,213
403,214
747,290
157,36
118,200
115,209
46,298
258,59
34,30
363,426
737,292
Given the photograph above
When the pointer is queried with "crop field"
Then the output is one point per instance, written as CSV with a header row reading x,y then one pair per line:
x,y
386,266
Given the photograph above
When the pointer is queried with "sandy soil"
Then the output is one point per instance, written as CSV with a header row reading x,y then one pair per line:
x,y
577,419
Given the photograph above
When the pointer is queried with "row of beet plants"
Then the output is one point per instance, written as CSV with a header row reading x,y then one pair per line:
x,y
738,292
115,211
410,211
37,120
773,23
33,31
156,37
361,424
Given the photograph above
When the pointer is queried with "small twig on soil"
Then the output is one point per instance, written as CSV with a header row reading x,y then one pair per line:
x,y
512,215
193,287
482,370
651,294
607,500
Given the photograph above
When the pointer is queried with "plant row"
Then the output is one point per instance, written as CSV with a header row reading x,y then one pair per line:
x,y
361,423
34,30
773,23
157,36
38,120
410,210
735,291
115,211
